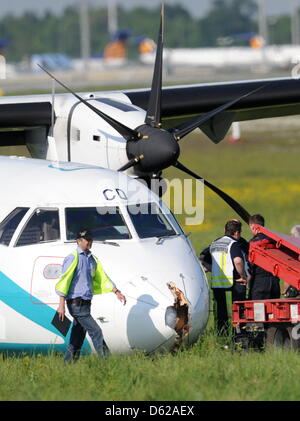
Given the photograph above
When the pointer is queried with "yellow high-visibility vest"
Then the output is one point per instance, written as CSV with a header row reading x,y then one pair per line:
x,y
222,265
101,282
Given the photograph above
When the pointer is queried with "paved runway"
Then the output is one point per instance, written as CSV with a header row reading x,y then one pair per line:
x,y
130,75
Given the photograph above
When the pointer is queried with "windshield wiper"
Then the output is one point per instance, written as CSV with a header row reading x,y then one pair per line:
x,y
110,243
161,239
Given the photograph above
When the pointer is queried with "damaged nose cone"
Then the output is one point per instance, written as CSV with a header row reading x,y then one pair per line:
x,y
177,316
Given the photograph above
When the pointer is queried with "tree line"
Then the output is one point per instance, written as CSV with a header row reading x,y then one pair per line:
x,y
51,33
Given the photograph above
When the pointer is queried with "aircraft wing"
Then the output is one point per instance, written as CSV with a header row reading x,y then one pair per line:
x,y
25,114
23,119
279,97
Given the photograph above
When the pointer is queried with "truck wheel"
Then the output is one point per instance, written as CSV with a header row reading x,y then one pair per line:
x,y
281,337
294,337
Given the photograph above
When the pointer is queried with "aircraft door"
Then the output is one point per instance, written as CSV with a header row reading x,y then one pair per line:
x,y
34,252
45,274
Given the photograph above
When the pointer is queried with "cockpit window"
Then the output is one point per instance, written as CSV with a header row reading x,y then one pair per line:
x,y
105,223
42,227
149,221
10,224
171,217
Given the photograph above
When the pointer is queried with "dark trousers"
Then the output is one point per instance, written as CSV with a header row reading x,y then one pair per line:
x,y
83,322
264,288
223,299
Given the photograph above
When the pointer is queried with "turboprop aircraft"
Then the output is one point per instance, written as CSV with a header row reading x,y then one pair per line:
x,y
136,132
145,253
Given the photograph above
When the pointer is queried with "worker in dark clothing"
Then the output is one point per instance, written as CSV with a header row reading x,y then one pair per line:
x,y
263,285
229,273
205,259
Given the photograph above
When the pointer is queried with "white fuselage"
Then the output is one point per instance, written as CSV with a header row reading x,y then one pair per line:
x,y
30,265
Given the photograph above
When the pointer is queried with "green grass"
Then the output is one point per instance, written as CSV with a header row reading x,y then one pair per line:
x,y
263,174
205,372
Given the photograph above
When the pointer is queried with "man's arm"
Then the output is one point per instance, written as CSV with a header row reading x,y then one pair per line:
x,y
240,268
205,259
62,298
119,295
61,308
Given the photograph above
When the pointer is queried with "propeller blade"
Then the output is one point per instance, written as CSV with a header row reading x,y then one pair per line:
x,y
229,200
154,106
131,163
185,128
124,131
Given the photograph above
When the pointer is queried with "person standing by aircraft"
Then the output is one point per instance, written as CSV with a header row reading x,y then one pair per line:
x,y
228,273
288,290
295,231
82,277
205,255
263,285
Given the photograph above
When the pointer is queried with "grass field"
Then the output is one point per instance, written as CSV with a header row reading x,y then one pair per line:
x,y
262,173
205,372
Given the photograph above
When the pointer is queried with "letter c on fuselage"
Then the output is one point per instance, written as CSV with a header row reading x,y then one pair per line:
x,y
110,195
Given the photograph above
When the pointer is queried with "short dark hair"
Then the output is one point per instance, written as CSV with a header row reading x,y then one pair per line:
x,y
257,219
86,234
232,226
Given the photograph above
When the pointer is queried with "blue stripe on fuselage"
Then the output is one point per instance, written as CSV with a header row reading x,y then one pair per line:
x,y
73,169
40,313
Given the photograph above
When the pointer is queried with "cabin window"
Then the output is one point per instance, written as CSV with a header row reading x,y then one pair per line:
x,y
149,221
10,224
42,227
105,223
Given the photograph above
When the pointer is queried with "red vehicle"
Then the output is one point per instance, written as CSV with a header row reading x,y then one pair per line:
x,y
275,322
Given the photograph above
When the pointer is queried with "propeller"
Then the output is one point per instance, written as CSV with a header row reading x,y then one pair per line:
x,y
186,128
153,115
159,146
150,148
131,163
229,200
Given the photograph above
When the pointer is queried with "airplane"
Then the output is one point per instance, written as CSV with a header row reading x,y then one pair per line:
x,y
86,148
38,230
269,57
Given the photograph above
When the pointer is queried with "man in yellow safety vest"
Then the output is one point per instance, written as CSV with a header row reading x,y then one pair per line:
x,y
229,273
82,277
